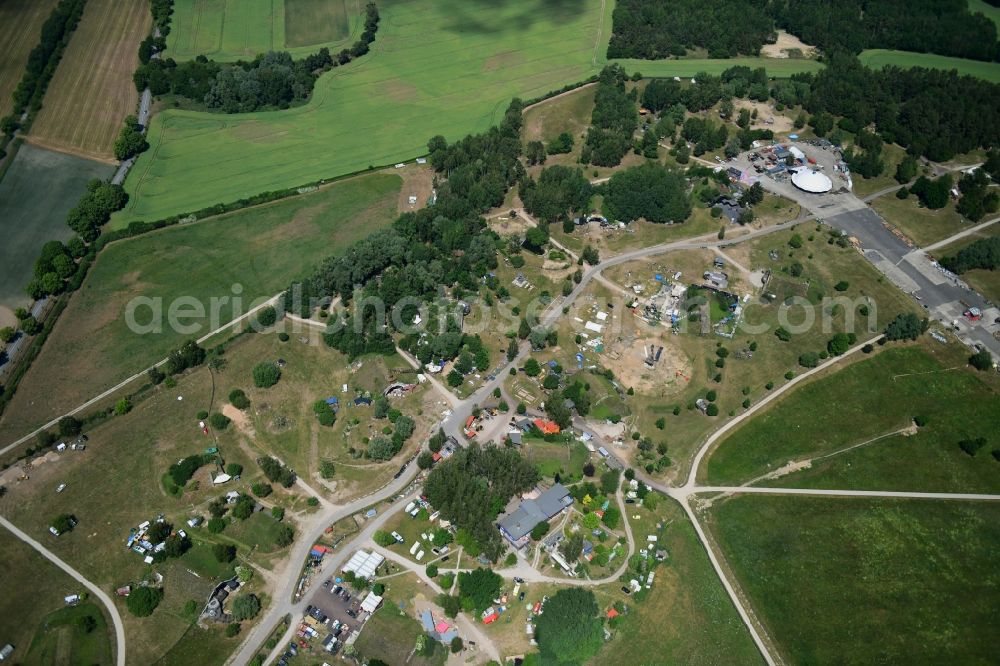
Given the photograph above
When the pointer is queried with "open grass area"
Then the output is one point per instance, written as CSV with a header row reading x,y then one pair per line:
x,y
860,581
24,608
686,617
251,254
569,113
989,11
922,225
62,640
551,458
688,369
37,192
390,635
444,67
892,155
92,90
20,28
985,282
878,58
116,483
872,398
226,30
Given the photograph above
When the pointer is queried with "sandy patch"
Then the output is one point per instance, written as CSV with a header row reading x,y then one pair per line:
x,y
506,226
665,377
7,317
239,419
765,112
785,42
418,181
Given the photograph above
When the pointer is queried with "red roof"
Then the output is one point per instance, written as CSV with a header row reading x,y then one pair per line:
x,y
469,421
547,427
612,613
490,618
436,457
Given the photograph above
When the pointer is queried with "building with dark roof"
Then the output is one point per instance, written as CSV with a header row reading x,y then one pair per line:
x,y
518,525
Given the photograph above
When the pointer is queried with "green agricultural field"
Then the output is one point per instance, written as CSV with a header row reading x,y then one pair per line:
x,y
25,608
265,248
37,192
877,58
859,581
227,30
444,67
869,399
61,639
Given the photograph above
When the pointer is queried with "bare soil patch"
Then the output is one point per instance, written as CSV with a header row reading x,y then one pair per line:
x,y
779,122
418,181
631,369
784,43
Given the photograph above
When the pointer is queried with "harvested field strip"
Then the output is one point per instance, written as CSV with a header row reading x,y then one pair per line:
x,y
20,28
92,90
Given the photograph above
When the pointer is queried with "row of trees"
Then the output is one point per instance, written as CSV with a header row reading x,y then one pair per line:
x,y
983,254
474,485
271,80
42,61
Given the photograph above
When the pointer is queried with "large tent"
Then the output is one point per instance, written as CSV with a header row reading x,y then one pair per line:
x,y
811,181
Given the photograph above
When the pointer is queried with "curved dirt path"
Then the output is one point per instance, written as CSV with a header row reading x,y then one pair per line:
x,y
109,605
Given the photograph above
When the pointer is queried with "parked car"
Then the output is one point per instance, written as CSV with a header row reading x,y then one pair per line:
x,y
61,487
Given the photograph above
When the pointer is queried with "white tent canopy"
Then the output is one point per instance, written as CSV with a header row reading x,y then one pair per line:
x,y
363,564
812,181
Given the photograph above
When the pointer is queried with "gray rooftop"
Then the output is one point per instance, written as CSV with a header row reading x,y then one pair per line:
x,y
533,511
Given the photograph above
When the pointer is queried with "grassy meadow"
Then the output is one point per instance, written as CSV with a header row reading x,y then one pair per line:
x,y
25,609
876,396
920,224
92,90
226,30
265,248
445,67
878,58
861,581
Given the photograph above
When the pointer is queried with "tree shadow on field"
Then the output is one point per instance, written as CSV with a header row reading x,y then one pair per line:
x,y
485,17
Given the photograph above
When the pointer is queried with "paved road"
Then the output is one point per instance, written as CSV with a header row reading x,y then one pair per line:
x,y
109,604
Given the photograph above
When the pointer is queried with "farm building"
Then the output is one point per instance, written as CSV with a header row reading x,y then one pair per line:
x,y
517,526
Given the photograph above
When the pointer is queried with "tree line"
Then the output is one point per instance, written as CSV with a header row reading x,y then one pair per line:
x,y
271,80
42,61
983,254
655,29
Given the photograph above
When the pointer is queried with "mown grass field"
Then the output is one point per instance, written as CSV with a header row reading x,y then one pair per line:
x,y
61,640
686,617
24,608
253,253
226,30
92,90
878,58
445,67
987,10
37,192
20,28
922,225
860,581
869,399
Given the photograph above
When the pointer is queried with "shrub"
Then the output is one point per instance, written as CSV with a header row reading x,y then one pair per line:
x,y
246,607
234,469
432,570
972,446
267,316
216,525
232,629
262,489
219,421
143,601
202,414
224,552
842,285
239,399
266,375
783,334
981,360
283,336
713,410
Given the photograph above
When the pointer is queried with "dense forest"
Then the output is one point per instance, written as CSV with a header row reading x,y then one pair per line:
x,y
653,29
984,254
473,486
613,121
271,80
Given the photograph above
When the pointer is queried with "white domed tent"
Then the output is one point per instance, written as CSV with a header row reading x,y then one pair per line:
x,y
811,181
